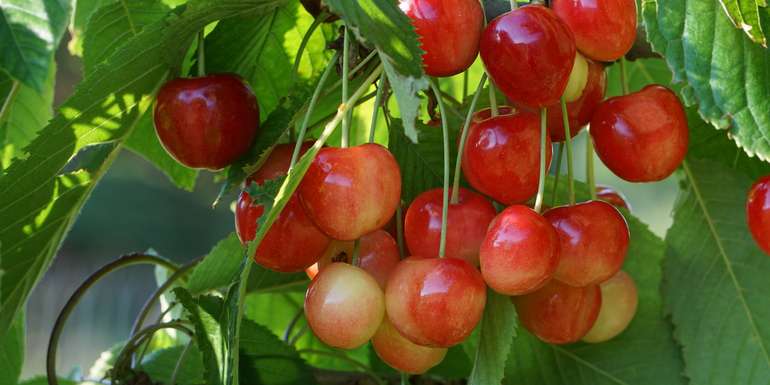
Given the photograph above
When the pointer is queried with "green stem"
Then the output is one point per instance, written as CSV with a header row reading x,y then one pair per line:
x,y
143,335
465,85
356,248
541,181
623,76
590,177
8,100
236,341
400,231
445,197
464,139
554,195
303,44
292,323
404,379
201,54
568,144
514,5
493,99
376,108
345,81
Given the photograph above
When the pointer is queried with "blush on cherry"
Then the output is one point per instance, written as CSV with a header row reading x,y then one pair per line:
x,y
206,122
467,222
449,32
579,111
642,136
619,301
402,354
604,30
758,213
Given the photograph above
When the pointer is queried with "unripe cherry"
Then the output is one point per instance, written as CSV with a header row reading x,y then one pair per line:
x,y
619,301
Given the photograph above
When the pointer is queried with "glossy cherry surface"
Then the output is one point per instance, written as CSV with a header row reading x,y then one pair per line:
x,y
758,213
619,301
580,110
449,32
559,313
612,196
349,192
206,122
642,136
502,156
529,53
593,240
402,354
344,306
435,301
293,242
377,255
467,222
520,252
604,29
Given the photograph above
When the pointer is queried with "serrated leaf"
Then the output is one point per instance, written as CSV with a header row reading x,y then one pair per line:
x,y
160,365
81,12
219,267
407,89
745,15
208,336
266,357
12,351
498,329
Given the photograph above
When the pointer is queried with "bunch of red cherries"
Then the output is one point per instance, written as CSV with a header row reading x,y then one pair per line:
x,y
561,267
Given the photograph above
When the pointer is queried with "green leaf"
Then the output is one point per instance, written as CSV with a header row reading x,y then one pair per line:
x,y
745,15
44,381
456,365
716,279
268,359
407,90
498,329
724,72
219,267
12,351
30,31
207,336
81,13
160,365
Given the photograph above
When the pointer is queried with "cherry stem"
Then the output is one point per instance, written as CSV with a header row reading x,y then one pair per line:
x,y
345,80
201,54
590,177
623,76
543,142
568,144
377,100
6,108
303,44
493,99
400,230
465,85
554,196
445,197
464,139
404,379
292,323
356,248
313,102
182,357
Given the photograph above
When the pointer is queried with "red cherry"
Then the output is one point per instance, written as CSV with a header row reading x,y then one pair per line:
x,y
529,53
581,110
520,252
344,306
502,157
449,32
402,354
467,222
559,313
604,30
206,122
758,213
435,301
619,300
377,255
293,241
593,240
643,136
349,192
612,196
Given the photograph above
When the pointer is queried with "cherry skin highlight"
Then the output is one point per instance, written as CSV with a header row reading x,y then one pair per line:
x,y
501,158
604,30
619,301
293,242
206,122
344,306
612,196
449,32
559,313
593,241
349,192
528,53
520,252
579,111
435,301
467,222
402,354
758,213
642,136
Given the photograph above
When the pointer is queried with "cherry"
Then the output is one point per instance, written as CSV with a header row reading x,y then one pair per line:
x,y
435,301
604,30
344,306
529,53
449,32
642,136
293,241
612,196
619,300
349,192
467,222
758,212
579,111
520,252
206,122
502,156
593,240
402,354
578,78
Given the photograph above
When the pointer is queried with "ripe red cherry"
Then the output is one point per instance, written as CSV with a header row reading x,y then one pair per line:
x,y
206,122
349,192
467,222
529,53
580,111
604,30
758,213
502,156
293,241
520,252
559,313
619,300
344,306
402,354
643,136
593,240
612,196
377,255
435,301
